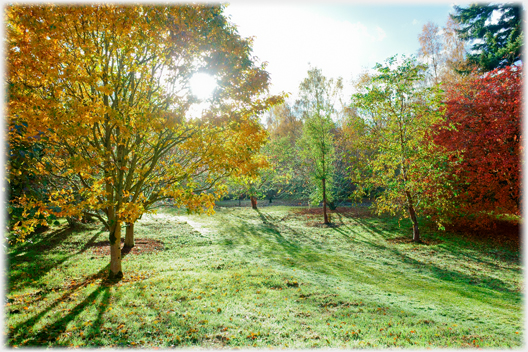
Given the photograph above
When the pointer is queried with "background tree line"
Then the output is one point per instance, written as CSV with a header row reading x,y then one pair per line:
x,y
436,136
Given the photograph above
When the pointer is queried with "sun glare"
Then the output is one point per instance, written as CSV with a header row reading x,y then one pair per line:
x,y
202,85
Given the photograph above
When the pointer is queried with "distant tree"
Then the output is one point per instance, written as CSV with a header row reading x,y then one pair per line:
x,y
431,47
272,178
396,112
253,185
281,122
285,125
455,53
444,52
318,95
494,30
344,143
483,124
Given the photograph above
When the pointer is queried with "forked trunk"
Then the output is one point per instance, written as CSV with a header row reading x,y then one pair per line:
x,y
324,203
129,235
115,252
253,202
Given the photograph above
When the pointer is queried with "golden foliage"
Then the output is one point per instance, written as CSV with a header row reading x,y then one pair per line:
x,y
104,88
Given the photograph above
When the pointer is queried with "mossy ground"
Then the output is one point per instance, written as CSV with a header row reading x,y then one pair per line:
x,y
266,278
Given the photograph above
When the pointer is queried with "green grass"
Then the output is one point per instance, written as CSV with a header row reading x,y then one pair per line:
x,y
265,279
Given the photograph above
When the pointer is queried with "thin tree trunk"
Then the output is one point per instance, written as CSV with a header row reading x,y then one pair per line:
x,y
324,203
412,213
115,251
129,235
253,202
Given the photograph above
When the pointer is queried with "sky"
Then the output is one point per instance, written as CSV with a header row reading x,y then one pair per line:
x,y
342,39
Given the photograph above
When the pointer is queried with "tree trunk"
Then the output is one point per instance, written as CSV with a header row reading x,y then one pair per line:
x,y
253,202
115,251
324,203
412,213
129,235
239,201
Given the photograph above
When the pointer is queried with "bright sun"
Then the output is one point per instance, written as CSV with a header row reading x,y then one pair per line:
x,y
202,85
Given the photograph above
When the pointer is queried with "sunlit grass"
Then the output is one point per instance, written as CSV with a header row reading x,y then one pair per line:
x,y
266,279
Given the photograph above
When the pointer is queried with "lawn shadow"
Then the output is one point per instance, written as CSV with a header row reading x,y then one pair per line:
x,y
36,257
280,227
376,237
490,283
50,332
268,237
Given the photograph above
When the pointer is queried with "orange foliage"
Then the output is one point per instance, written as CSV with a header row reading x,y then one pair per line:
x,y
105,89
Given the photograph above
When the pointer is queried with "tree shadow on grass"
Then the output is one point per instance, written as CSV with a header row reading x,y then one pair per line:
x,y
455,244
36,259
467,287
268,238
470,283
278,227
352,235
45,241
474,284
21,334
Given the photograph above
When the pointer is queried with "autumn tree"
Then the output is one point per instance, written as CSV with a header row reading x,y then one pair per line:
x,y
22,178
253,185
396,111
283,174
106,90
285,127
431,47
347,154
494,31
455,60
282,121
317,99
444,52
483,124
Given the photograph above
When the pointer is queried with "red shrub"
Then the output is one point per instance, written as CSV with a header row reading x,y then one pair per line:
x,y
483,122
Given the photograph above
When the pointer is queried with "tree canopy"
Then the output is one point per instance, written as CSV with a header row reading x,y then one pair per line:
x,y
483,124
105,88
495,32
318,95
396,110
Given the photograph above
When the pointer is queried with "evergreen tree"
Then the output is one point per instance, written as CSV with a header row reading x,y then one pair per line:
x,y
496,41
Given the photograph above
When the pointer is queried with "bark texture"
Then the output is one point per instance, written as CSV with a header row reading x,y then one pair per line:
x,y
115,252
129,235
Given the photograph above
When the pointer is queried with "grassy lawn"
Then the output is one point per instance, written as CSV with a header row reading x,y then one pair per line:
x,y
267,278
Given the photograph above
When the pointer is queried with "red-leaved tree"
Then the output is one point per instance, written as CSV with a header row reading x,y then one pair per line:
x,y
482,130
